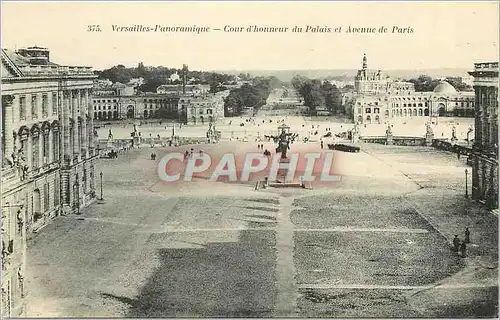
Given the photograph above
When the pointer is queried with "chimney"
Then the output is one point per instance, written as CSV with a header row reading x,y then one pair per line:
x,y
36,55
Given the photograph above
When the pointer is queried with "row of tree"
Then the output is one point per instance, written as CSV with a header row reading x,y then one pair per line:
x,y
156,76
250,96
317,93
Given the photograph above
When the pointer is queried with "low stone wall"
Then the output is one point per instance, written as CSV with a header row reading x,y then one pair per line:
x,y
398,141
444,145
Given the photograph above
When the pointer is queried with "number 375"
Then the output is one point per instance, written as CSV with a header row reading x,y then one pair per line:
x,y
94,28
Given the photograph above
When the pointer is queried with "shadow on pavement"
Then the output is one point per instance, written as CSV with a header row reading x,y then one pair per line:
x,y
234,279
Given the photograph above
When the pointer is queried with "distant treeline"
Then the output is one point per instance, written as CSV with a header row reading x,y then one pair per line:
x,y
426,83
250,96
317,93
157,76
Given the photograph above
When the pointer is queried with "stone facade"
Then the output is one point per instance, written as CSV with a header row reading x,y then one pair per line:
x,y
485,148
203,108
48,154
141,106
379,99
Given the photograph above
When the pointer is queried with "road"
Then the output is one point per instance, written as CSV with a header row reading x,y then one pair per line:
x,y
359,247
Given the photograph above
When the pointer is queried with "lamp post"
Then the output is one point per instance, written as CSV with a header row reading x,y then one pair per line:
x,y
466,188
100,174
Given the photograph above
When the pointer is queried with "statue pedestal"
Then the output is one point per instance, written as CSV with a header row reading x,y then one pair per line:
x,y
428,139
389,140
282,173
137,141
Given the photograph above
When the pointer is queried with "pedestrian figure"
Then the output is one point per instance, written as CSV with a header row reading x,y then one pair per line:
x,y
463,249
456,243
258,147
321,144
467,235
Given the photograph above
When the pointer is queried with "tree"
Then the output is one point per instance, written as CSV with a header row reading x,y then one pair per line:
x,y
332,96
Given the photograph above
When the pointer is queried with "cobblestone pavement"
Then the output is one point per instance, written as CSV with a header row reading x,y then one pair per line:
x,y
375,243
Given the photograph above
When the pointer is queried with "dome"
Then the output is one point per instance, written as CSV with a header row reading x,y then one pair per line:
x,y
445,88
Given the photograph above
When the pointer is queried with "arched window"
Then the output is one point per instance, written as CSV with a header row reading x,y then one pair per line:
x,y
35,142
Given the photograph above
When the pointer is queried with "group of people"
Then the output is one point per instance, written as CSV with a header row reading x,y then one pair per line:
x,y
189,154
153,156
461,246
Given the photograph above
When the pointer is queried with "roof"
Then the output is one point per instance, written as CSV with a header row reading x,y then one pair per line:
x,y
444,88
21,61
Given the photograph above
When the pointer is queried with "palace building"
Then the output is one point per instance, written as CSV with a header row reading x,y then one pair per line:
x,y
485,148
380,99
203,108
48,156
120,101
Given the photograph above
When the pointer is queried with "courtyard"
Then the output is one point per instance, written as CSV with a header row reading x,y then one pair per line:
x,y
375,244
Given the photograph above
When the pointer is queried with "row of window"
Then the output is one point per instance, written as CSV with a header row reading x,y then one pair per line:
x,y
33,105
145,100
201,111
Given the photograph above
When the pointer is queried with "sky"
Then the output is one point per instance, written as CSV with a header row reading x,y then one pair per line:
x,y
445,34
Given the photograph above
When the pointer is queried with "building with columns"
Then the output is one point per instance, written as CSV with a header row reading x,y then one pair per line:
x,y
380,99
202,108
48,156
485,148
119,101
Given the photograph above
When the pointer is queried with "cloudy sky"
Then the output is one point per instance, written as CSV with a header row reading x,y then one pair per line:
x,y
445,35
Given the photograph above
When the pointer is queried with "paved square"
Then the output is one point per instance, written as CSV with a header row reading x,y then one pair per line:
x,y
361,247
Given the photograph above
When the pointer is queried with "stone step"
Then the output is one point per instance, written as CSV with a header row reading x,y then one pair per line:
x,y
286,185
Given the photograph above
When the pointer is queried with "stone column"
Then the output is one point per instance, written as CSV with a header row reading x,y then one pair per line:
x,y
477,118
89,106
83,113
74,100
66,108
7,102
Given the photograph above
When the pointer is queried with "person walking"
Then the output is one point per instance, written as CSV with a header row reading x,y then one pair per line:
x,y
456,243
467,235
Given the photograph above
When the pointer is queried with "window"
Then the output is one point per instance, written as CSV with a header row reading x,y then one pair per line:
x,y
45,150
54,103
368,110
33,106
55,141
84,180
35,139
45,105
22,108
46,197
57,190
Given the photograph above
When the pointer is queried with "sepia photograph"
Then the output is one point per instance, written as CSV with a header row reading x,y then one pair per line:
x,y
252,159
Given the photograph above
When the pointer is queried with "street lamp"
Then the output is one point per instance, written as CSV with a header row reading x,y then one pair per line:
x,y
466,189
100,174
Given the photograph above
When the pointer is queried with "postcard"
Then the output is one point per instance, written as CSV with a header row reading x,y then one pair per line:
x,y
203,159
